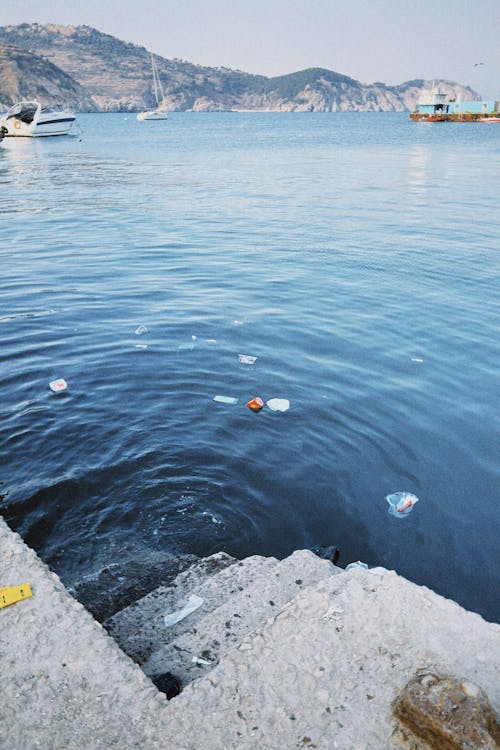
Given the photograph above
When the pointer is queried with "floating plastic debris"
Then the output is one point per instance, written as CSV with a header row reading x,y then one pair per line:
x,y
401,503
237,322
185,347
416,359
141,346
210,341
255,404
58,386
278,404
247,359
226,399
211,517
194,338
141,330
357,564
193,603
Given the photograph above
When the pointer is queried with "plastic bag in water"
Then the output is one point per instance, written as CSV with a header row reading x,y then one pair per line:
x,y
401,503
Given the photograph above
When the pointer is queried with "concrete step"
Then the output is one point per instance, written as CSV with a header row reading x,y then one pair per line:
x,y
137,627
242,610
140,629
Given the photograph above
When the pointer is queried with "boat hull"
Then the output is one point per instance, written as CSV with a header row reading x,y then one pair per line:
x,y
152,116
33,121
41,129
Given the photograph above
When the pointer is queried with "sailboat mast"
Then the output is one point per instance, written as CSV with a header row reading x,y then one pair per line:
x,y
155,76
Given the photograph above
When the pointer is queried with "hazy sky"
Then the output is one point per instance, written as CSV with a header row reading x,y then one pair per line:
x,y
370,40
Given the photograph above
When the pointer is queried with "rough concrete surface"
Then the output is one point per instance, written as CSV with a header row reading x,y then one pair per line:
x,y
323,672
243,610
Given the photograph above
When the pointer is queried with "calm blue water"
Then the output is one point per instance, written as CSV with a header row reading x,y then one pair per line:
x,y
338,249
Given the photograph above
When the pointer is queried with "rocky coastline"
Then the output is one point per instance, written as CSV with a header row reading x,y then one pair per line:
x,y
82,68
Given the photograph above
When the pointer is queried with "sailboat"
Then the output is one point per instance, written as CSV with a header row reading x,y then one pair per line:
x,y
155,114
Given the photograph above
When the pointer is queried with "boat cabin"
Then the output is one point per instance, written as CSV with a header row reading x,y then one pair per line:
x,y
24,111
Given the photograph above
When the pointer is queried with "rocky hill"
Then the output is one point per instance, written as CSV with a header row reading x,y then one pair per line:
x,y
116,75
26,76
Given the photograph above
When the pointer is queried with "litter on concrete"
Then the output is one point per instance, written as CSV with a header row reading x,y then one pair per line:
x,y
278,404
201,662
357,564
401,503
226,399
247,359
58,386
12,594
193,603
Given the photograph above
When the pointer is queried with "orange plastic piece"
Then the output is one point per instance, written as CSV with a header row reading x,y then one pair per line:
x,y
255,404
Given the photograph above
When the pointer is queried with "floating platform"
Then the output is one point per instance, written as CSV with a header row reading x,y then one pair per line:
x,y
455,117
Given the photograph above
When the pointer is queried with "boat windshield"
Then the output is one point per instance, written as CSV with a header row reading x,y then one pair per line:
x,y
24,111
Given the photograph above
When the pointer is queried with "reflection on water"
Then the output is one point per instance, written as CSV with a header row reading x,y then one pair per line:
x,y
353,255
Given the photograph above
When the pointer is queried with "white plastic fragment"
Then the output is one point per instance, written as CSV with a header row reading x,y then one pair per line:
x,y
58,386
140,330
416,359
401,503
185,347
193,603
199,660
210,341
357,564
226,399
141,346
247,359
278,404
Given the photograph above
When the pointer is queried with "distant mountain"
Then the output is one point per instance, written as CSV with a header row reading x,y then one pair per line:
x,y
116,75
26,76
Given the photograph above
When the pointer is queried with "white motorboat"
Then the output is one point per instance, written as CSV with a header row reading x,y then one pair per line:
x,y
29,119
157,113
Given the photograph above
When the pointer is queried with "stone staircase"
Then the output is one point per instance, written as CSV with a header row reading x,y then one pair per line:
x,y
233,599
314,660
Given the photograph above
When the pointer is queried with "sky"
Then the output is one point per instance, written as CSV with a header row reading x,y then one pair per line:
x,y
371,40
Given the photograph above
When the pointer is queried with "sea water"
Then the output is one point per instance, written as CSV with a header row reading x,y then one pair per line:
x,y
354,255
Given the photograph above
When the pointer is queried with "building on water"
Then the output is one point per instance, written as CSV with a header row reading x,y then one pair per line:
x,y
434,105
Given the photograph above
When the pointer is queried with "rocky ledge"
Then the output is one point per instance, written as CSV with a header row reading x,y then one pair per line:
x,y
272,654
